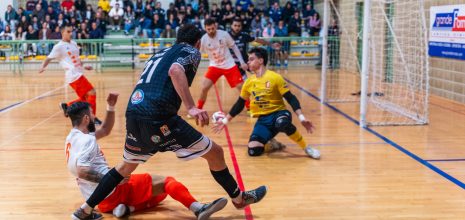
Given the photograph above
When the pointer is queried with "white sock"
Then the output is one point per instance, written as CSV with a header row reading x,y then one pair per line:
x,y
196,206
87,209
120,210
238,199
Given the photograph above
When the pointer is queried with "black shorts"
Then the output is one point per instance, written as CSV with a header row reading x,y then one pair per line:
x,y
265,129
145,137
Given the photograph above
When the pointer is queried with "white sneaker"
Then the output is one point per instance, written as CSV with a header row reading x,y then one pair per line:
x,y
121,210
312,152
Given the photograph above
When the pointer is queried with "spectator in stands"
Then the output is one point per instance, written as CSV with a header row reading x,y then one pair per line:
x,y
224,3
146,21
129,19
101,23
114,2
56,35
282,54
127,3
182,19
228,16
11,18
7,33
1,25
31,35
288,12
158,25
139,9
61,20
307,13
89,13
116,17
190,13
160,11
20,13
256,26
268,31
261,5
150,2
95,32
314,24
295,25
52,13
239,11
35,23
333,45
251,12
83,32
68,4
204,8
56,5
265,20
197,22
24,22
179,3
168,32
308,2
80,5
30,6
244,4
275,12
105,5
20,35
171,10
215,13
73,13
50,23
44,34
173,21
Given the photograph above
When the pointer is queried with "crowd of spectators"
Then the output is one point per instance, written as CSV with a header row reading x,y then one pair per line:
x,y
42,19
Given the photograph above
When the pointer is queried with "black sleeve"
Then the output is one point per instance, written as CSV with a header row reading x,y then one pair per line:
x,y
248,38
237,107
292,100
189,58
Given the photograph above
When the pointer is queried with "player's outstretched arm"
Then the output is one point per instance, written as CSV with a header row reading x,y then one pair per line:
x,y
45,64
179,79
109,121
235,110
295,104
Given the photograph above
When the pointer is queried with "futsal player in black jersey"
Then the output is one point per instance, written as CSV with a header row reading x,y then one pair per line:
x,y
153,124
242,40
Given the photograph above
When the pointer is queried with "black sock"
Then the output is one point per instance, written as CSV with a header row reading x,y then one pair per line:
x,y
105,187
229,184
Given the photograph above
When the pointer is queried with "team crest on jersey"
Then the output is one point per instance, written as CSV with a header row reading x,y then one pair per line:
x,y
155,139
137,97
165,130
267,84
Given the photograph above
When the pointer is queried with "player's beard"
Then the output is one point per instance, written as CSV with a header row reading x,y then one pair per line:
x,y
91,126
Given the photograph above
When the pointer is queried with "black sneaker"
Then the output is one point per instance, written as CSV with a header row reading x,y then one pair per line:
x,y
208,209
64,107
97,121
79,214
251,197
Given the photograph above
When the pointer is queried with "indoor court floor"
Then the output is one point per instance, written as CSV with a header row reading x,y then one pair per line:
x,y
389,172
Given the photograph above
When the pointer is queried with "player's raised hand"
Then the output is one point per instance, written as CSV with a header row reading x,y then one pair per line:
x,y
112,98
200,115
308,125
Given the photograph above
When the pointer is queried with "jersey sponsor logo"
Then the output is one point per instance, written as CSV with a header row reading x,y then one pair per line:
x,y
130,136
165,130
137,97
172,141
155,139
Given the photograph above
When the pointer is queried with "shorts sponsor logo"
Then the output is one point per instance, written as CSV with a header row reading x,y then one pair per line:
x,y
155,139
168,143
174,147
165,130
133,148
137,97
130,136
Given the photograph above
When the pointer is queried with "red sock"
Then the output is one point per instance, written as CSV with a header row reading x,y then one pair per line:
x,y
178,191
200,104
247,104
74,101
92,100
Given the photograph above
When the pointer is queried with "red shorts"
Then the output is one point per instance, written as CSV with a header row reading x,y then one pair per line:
x,y
81,86
232,75
136,191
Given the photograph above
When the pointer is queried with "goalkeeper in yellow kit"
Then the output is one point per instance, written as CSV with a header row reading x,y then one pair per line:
x,y
266,90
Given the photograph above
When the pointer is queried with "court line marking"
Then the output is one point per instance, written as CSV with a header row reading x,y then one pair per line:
x,y
247,210
385,139
446,160
32,99
10,106
29,129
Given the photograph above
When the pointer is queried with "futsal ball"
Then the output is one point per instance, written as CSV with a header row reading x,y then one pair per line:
x,y
217,116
